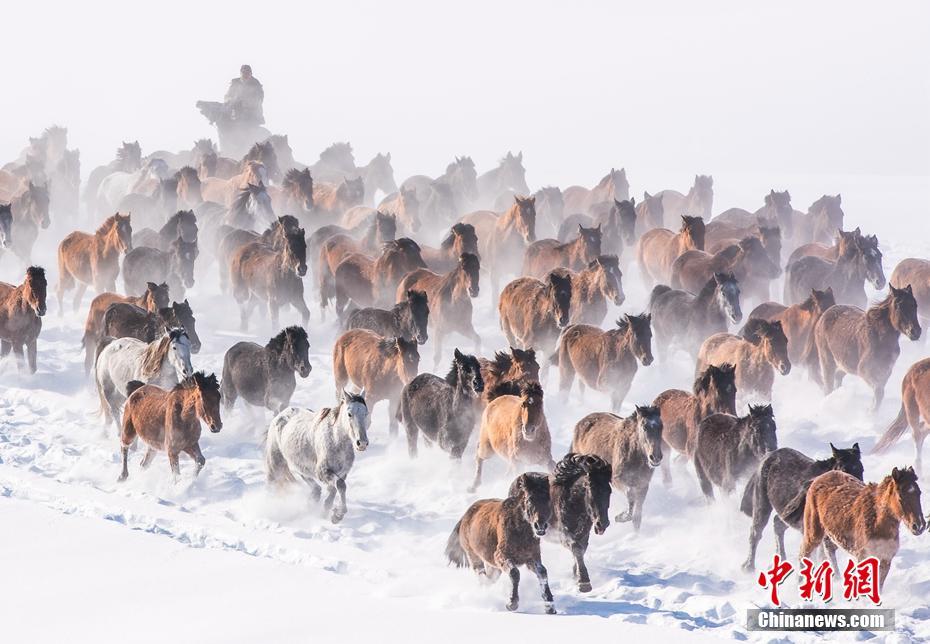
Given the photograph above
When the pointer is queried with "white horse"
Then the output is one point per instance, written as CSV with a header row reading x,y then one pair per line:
x,y
165,362
118,184
318,448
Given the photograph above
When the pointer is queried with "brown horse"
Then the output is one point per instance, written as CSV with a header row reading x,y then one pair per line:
x,y
658,249
189,188
405,205
380,230
756,356
863,519
515,428
699,200
614,185
295,194
544,255
153,299
747,260
449,298
462,238
21,310
373,282
30,209
718,235
858,259
600,281
259,272
847,339
797,320
516,366
170,420
714,391
380,367
915,405
330,200
224,191
533,313
85,259
915,272
502,246
604,360
823,220
777,210
495,536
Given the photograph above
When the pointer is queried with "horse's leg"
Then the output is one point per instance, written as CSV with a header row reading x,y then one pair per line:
x,y
919,437
173,462
245,312
827,370
5,348
639,497
437,346
761,510
194,452
413,433
581,570
884,565
830,547
31,350
618,393
81,289
543,576
124,448
780,528
127,436
514,602
20,358
393,406
315,490
273,307
148,458
298,302
478,464
566,375
623,517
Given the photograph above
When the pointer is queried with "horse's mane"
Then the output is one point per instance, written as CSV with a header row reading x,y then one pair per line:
x,y
501,363
126,150
35,273
240,204
387,347
107,224
702,382
729,253
824,201
458,229
157,350
258,150
276,344
531,388
199,380
755,329
295,176
573,466
186,171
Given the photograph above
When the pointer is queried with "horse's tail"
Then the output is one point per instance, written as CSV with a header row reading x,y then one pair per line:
x,y
656,292
455,553
276,468
326,280
749,494
102,344
793,512
132,385
893,433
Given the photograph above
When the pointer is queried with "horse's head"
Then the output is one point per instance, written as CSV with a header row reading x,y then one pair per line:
x,y
259,202
296,350
819,301
637,330
208,398
352,191
414,318
848,460
6,225
295,251
462,173
525,220
649,433
593,474
513,173
704,191
356,421
532,492
771,241
626,215
179,352
339,156
716,388
591,239
760,429
827,214
122,228
408,359
471,268
609,278
299,184
462,238
187,225
559,290
727,290
468,372
904,312
184,315
158,294
381,173
37,204
551,203
532,415
129,156
653,208
780,202
693,230
524,366
905,499
184,254
36,289
774,342
189,187
871,259
758,260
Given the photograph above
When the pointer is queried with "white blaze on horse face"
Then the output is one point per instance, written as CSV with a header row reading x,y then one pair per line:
x,y
358,420
179,356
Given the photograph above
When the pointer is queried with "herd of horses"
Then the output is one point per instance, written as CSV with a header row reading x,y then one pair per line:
x,y
554,260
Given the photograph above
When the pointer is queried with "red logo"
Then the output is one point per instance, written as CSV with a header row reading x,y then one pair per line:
x,y
861,580
775,576
819,581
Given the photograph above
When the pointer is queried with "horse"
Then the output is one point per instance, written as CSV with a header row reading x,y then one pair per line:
x,y
718,235
335,162
776,210
6,225
533,313
152,299
580,493
728,447
263,153
658,249
408,319
175,265
915,272
377,175
604,360
840,510
915,404
251,205
181,224
330,200
442,409
372,282
170,420
633,448
85,258
508,175
118,184
797,321
756,355
514,427
544,255
264,375
699,200
550,208
504,245
515,366
295,194
600,281
367,236
188,187
128,159
847,339
21,311
495,536
782,476
225,191
29,209
125,320
747,260
449,297
165,362
380,366
680,318
319,448
456,187
614,185
405,205
152,209
434,202
859,259
461,239
618,225
261,272
824,219
230,240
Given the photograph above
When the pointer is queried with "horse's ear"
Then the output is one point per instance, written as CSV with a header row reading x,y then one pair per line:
x,y
458,354
346,396
646,194
520,156
895,473
856,447
839,198
833,449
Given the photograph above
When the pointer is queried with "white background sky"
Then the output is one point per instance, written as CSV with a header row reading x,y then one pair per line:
x,y
803,87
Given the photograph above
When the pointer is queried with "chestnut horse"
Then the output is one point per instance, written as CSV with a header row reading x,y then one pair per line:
x,y
449,298
915,272
859,259
462,238
170,420
533,313
614,185
332,199
847,339
544,255
379,366
515,366
600,281
295,194
756,356
699,200
797,320
373,282
504,238
85,258
863,519
915,405
658,249
21,311
746,259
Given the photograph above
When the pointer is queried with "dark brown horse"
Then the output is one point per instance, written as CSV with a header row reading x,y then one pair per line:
x,y
408,319
658,249
373,282
462,238
592,287
797,320
544,255
747,260
21,311
515,366
757,355
847,339
859,259
533,313
85,259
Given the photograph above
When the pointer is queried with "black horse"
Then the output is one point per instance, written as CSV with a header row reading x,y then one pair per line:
x,y
125,320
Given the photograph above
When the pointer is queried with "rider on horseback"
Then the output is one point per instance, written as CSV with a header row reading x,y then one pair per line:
x,y
244,98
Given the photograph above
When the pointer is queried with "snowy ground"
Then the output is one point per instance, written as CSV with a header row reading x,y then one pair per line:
x,y
224,560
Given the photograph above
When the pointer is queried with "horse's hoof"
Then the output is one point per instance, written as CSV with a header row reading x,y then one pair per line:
x,y
511,606
584,586
550,609
336,518
748,567
122,477
623,517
